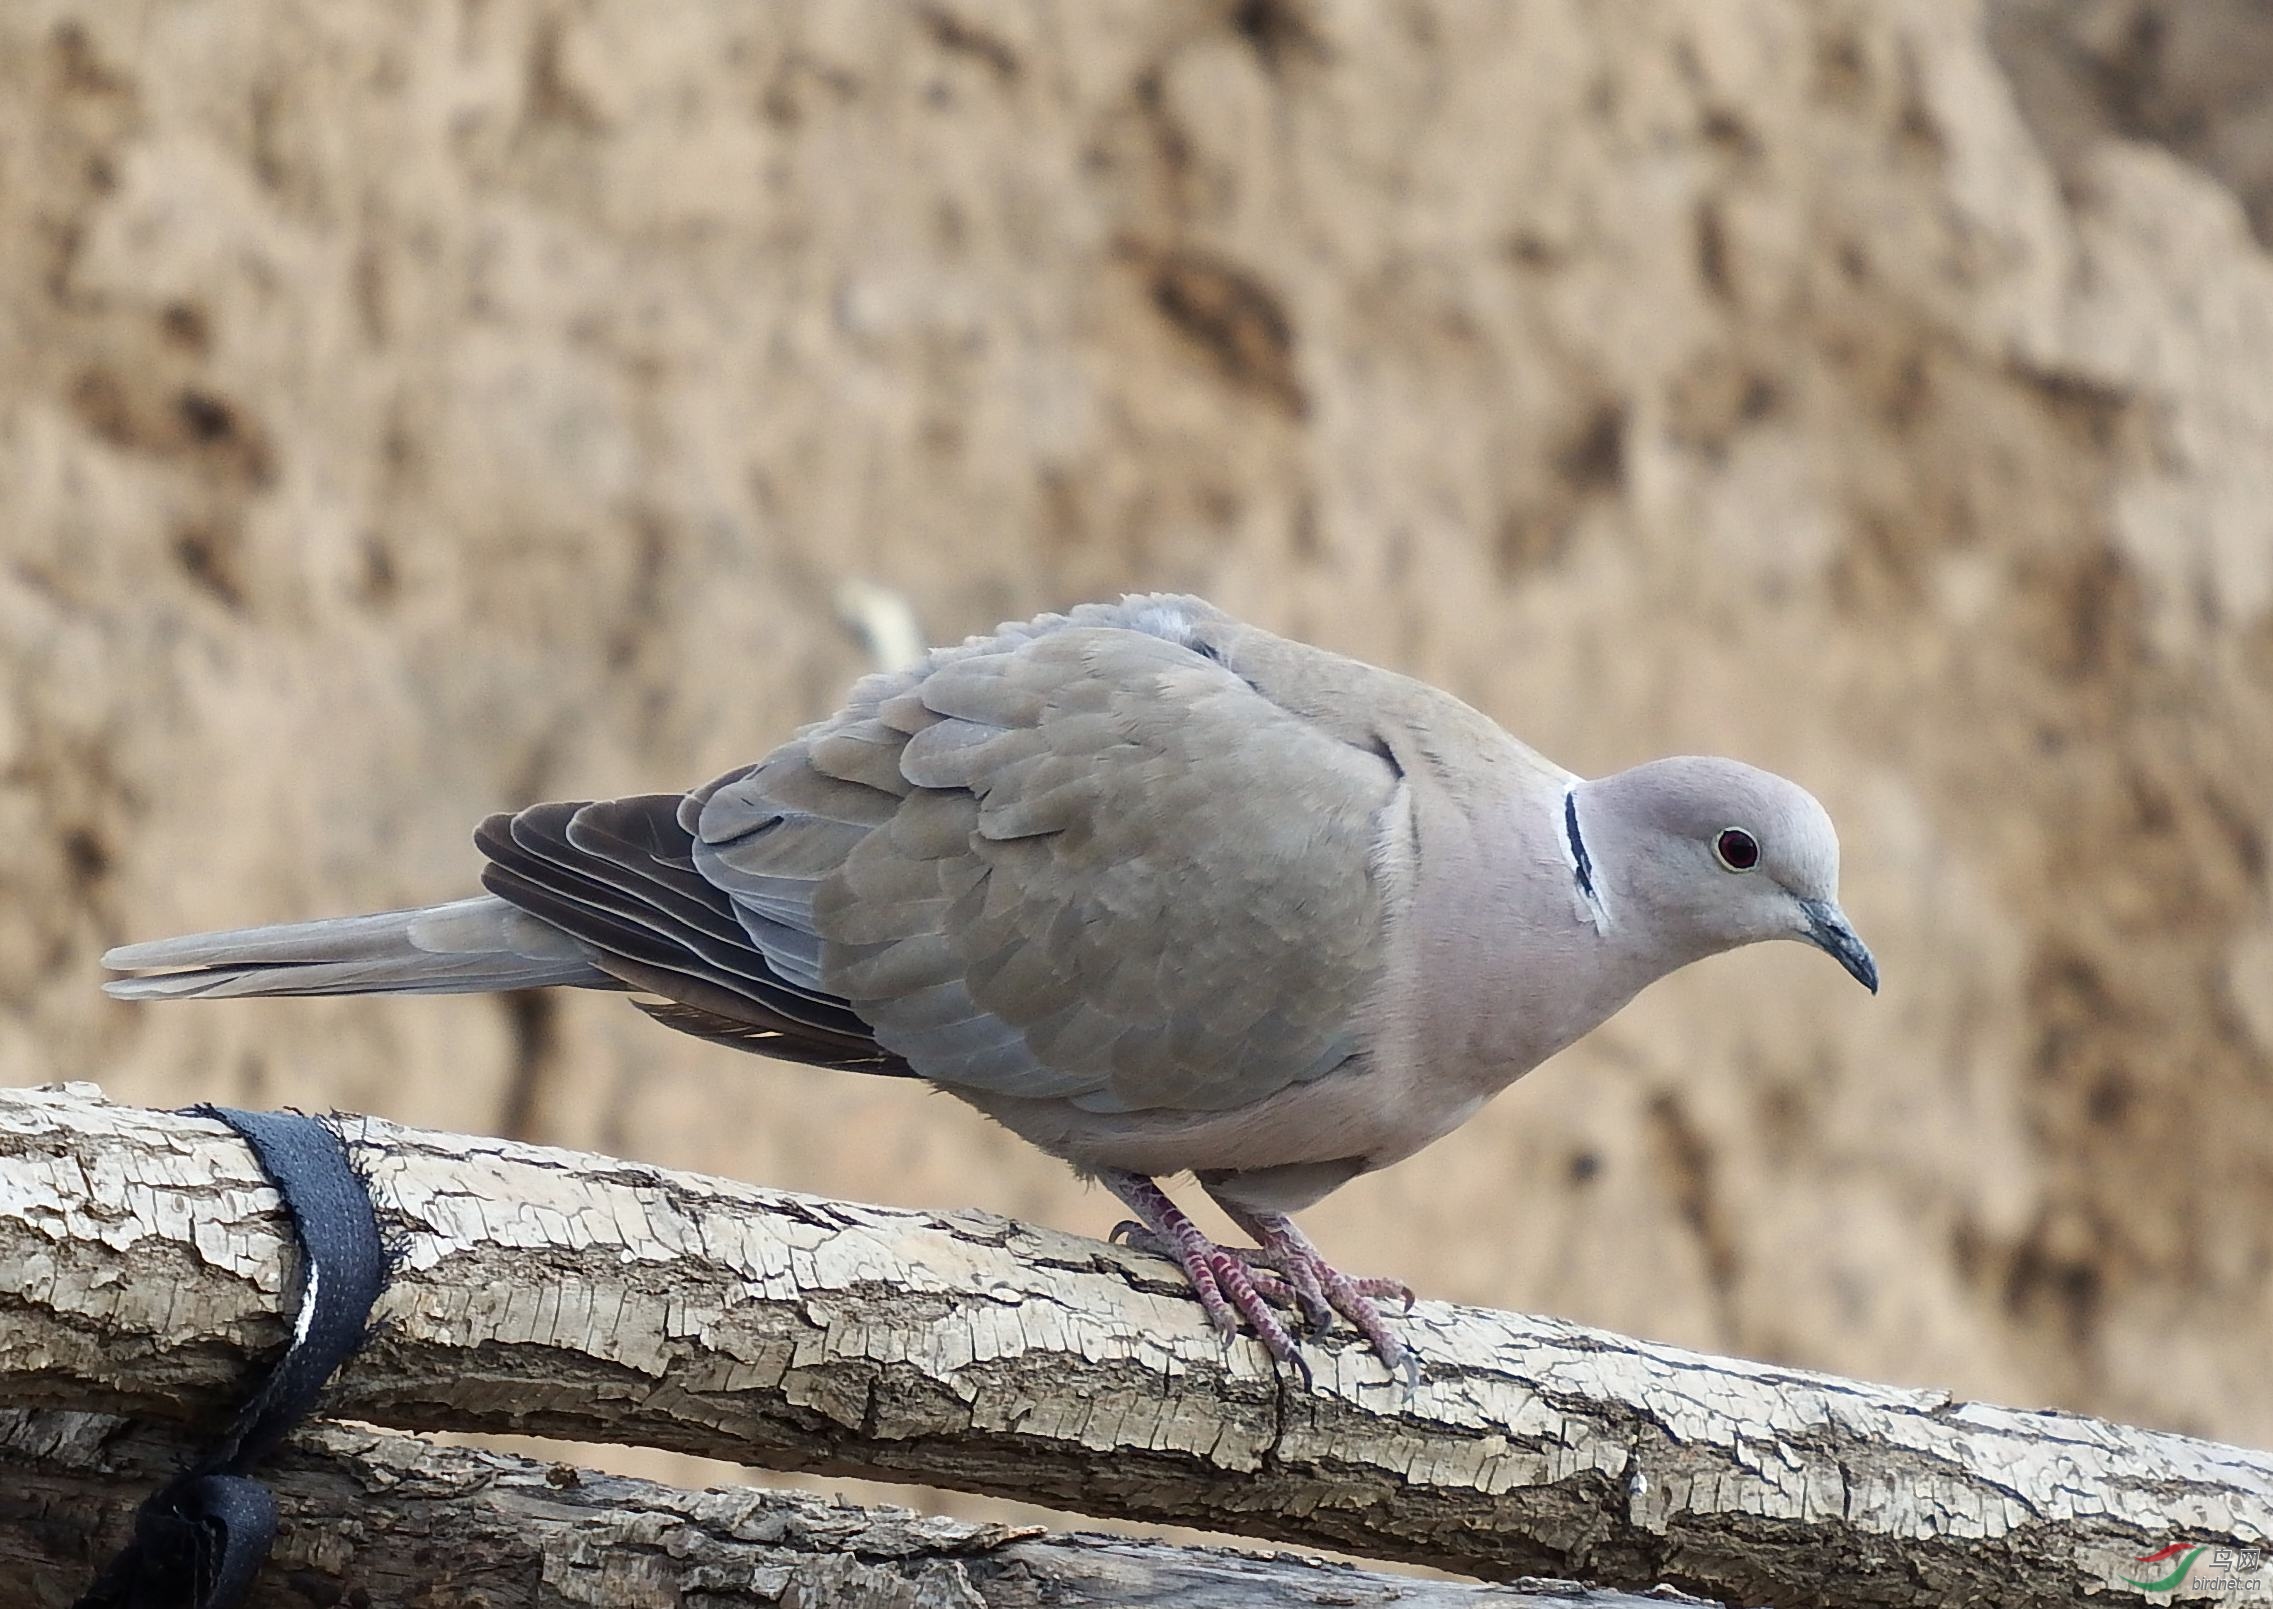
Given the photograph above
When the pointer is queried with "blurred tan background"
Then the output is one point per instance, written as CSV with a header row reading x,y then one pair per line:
x,y
412,410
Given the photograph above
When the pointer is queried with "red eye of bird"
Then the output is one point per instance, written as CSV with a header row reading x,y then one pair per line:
x,y
1738,850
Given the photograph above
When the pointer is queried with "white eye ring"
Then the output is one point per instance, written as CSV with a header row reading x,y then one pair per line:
x,y
1736,850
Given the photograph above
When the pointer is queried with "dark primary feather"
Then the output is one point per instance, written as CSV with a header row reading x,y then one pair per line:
x,y
617,875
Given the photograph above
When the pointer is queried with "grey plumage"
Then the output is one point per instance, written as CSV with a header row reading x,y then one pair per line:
x,y
1158,890
469,946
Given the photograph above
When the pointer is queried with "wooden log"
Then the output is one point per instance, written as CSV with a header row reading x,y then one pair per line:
x,y
143,1263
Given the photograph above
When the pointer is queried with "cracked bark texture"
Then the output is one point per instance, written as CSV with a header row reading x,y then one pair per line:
x,y
378,1518
550,1293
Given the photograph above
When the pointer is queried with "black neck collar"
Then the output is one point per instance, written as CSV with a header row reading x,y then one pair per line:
x,y
1581,864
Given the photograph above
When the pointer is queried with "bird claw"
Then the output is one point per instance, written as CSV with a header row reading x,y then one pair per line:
x,y
1265,1270
1243,1296
1232,1283
1235,1283
1288,1248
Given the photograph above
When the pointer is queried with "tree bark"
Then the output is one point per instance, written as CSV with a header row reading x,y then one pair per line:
x,y
540,1291
381,1518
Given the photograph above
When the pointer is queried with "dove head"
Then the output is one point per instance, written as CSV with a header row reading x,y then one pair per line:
x,y
1704,855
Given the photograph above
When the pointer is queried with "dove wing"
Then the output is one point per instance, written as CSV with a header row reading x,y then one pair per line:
x,y
1085,859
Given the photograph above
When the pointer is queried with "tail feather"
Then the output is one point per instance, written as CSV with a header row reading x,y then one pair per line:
x,y
468,946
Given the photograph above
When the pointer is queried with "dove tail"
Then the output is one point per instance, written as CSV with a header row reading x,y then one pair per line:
x,y
469,946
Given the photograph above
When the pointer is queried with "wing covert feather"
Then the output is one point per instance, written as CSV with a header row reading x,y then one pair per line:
x,y
1084,858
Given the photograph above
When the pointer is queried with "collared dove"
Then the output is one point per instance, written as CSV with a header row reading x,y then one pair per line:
x,y
1159,891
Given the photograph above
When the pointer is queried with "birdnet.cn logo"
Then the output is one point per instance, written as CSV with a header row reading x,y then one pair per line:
x,y
2202,1571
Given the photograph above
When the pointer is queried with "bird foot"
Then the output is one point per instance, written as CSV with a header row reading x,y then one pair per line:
x,y
1262,1268
1352,1298
1234,1282
1294,1283
1228,1283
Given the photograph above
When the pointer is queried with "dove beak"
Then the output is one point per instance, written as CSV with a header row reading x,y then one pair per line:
x,y
1829,931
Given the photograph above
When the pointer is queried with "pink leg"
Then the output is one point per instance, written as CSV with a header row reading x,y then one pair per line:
x,y
1290,1249
1262,1267
1222,1280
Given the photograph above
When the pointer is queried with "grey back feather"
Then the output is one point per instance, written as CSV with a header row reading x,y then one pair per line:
x,y
1082,859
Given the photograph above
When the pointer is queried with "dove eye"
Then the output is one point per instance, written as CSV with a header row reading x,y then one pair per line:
x,y
1737,849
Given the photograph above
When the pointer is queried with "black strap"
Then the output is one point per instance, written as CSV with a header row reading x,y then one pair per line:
x,y
200,1539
